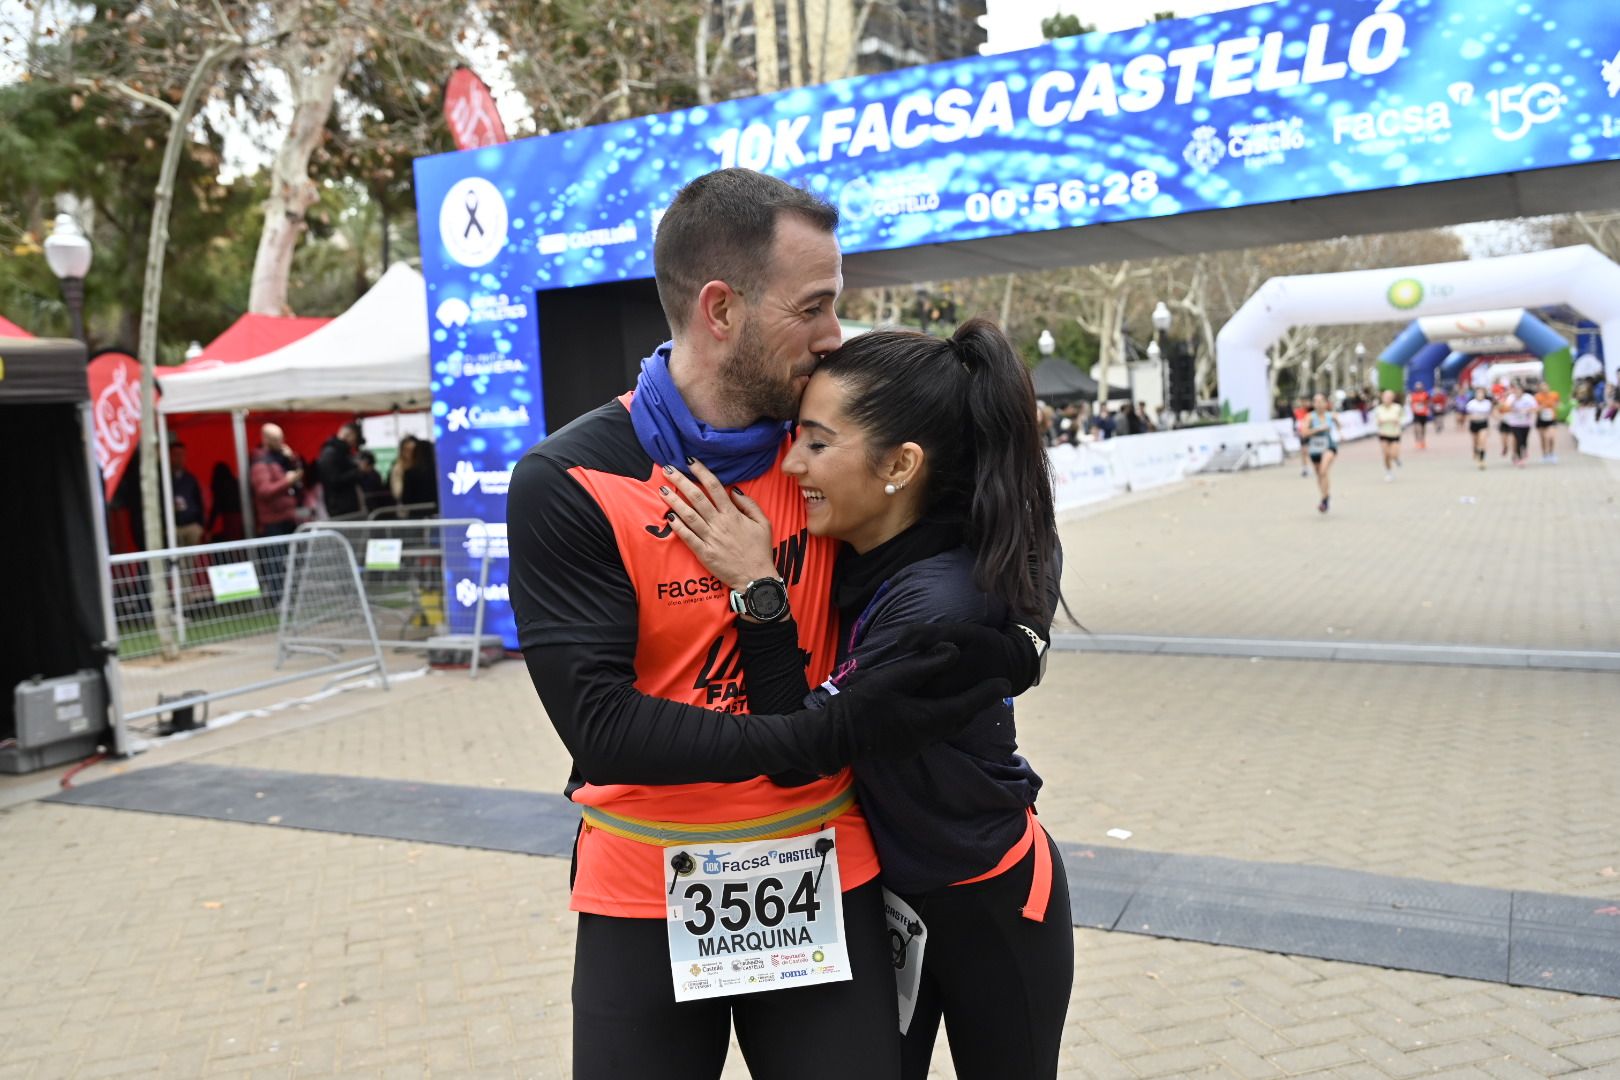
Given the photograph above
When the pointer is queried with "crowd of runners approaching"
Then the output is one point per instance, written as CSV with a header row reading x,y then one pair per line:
x,y
1516,408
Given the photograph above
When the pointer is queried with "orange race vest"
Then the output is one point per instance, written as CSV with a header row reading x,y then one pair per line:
x,y
687,651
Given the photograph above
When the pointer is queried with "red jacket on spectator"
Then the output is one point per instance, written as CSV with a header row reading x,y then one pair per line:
x,y
274,500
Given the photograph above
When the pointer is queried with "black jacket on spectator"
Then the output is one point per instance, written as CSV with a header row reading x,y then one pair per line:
x,y
339,475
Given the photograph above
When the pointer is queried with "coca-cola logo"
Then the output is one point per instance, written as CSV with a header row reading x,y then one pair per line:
x,y
116,413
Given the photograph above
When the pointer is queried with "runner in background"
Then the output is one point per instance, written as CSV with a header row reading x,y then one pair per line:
x,y
1547,423
1478,410
1302,409
1521,416
1389,415
1322,445
1439,401
1503,394
1420,401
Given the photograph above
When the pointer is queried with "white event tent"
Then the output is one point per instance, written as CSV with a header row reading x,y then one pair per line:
x,y
372,358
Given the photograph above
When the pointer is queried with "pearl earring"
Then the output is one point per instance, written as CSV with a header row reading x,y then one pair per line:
x,y
889,489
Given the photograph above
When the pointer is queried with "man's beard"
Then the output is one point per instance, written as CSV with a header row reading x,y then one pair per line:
x,y
752,384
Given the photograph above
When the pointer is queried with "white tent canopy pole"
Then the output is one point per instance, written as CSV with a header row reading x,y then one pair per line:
x,y
1581,277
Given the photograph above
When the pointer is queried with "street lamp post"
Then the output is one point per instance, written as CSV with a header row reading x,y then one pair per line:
x,y
1161,327
1046,343
68,252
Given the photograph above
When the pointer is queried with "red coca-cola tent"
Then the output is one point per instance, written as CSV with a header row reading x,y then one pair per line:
x,y
210,438
9,329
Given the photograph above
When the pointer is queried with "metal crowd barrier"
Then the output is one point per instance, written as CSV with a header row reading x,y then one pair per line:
x,y
400,511
211,627
423,582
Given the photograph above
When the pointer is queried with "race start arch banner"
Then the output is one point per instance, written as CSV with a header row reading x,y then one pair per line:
x,y
1281,101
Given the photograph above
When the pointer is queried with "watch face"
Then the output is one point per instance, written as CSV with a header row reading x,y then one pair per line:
x,y
767,599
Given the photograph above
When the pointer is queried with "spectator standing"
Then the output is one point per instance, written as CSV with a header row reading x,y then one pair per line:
x,y
402,464
420,486
224,505
188,497
1144,419
374,491
277,481
339,473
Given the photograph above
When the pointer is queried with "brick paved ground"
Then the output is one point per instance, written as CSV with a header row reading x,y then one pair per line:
x,y
155,946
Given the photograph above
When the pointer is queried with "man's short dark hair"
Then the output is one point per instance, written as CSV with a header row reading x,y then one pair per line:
x,y
720,228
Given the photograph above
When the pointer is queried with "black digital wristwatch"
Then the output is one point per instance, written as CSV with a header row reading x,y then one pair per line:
x,y
765,599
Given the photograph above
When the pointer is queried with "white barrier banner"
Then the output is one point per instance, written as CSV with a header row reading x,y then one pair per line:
x,y
1600,438
1092,472
1081,476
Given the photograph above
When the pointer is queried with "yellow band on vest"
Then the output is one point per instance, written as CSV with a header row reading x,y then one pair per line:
x,y
772,827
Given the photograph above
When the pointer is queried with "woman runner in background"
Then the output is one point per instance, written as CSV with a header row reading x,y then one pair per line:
x,y
1504,404
919,454
1420,401
1547,422
1521,416
1478,411
1389,416
1322,444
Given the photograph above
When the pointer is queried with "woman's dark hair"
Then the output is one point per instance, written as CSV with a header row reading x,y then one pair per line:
x,y
227,498
968,402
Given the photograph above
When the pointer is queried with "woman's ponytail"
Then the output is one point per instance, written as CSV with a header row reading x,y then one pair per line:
x,y
1011,524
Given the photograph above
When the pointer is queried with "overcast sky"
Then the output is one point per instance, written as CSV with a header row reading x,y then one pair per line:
x,y
1016,24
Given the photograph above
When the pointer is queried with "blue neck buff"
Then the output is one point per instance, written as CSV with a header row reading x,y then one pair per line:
x,y
670,434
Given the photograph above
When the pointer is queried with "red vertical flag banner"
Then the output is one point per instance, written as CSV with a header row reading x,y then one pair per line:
x,y
469,109
115,398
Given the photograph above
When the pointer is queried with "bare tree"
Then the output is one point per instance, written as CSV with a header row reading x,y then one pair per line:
x,y
164,58
315,50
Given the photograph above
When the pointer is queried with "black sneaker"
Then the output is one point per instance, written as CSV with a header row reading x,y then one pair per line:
x,y
1322,506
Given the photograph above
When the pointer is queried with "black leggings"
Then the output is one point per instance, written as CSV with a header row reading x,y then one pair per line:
x,y
1521,442
1000,982
628,1026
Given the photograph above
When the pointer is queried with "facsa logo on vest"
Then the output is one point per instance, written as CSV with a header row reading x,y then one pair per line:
x,y
689,590
464,417
487,481
467,593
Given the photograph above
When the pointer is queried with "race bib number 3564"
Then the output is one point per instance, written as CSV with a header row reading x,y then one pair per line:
x,y
745,918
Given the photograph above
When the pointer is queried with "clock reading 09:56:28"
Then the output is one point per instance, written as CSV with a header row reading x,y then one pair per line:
x,y
1070,196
